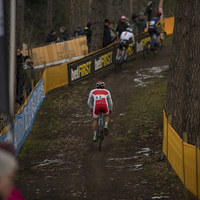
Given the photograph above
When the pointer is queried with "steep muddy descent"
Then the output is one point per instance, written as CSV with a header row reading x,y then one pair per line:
x,y
68,164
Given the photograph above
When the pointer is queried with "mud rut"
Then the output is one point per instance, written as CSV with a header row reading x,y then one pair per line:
x,y
98,183
95,181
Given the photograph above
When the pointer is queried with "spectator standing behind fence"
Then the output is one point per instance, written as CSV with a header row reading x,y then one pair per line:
x,y
63,35
121,25
149,10
127,21
19,92
78,32
106,35
28,74
140,23
88,32
111,28
51,37
145,20
88,26
133,24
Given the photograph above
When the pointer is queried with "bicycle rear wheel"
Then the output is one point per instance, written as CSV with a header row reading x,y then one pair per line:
x,y
146,50
100,136
156,51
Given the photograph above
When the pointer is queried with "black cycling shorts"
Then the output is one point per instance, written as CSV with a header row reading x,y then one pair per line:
x,y
153,31
123,44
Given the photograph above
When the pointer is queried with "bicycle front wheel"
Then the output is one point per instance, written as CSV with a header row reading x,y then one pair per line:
x,y
146,50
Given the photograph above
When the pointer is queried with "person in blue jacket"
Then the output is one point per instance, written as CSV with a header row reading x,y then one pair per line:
x,y
78,32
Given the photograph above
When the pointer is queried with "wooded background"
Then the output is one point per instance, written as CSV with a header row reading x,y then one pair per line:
x,y
35,18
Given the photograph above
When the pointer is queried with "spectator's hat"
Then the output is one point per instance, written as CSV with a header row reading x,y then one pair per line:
x,y
123,17
141,14
134,17
106,20
127,19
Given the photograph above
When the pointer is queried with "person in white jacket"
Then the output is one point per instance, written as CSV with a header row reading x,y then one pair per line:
x,y
125,37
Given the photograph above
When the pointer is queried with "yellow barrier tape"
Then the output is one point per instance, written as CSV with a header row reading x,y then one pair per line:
x,y
190,167
175,153
56,77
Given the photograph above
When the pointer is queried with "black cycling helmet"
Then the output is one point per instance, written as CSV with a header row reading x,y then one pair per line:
x,y
100,84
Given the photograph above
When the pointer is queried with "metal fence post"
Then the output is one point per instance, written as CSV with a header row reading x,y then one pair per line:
x,y
187,193
169,121
197,171
45,68
162,156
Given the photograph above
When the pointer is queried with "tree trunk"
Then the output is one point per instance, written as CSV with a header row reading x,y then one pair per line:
x,y
49,16
90,9
110,10
124,6
20,23
155,7
131,8
72,16
135,7
98,25
118,9
76,15
183,96
84,13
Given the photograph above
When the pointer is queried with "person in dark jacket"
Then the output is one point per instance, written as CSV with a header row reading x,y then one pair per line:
x,y
28,74
133,24
106,35
88,32
145,20
111,28
78,32
121,25
63,35
87,27
51,37
140,23
149,10
19,92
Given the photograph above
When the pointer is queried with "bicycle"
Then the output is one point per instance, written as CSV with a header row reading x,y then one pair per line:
x,y
100,130
150,46
120,61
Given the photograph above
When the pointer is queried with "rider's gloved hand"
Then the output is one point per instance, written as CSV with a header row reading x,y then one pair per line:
x,y
91,112
165,33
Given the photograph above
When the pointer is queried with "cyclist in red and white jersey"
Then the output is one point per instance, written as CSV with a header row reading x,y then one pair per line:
x,y
102,101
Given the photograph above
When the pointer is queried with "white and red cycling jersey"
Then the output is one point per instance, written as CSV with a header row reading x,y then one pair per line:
x,y
101,101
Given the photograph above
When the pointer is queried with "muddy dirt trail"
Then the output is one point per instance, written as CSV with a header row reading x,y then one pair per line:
x,y
74,168
99,183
